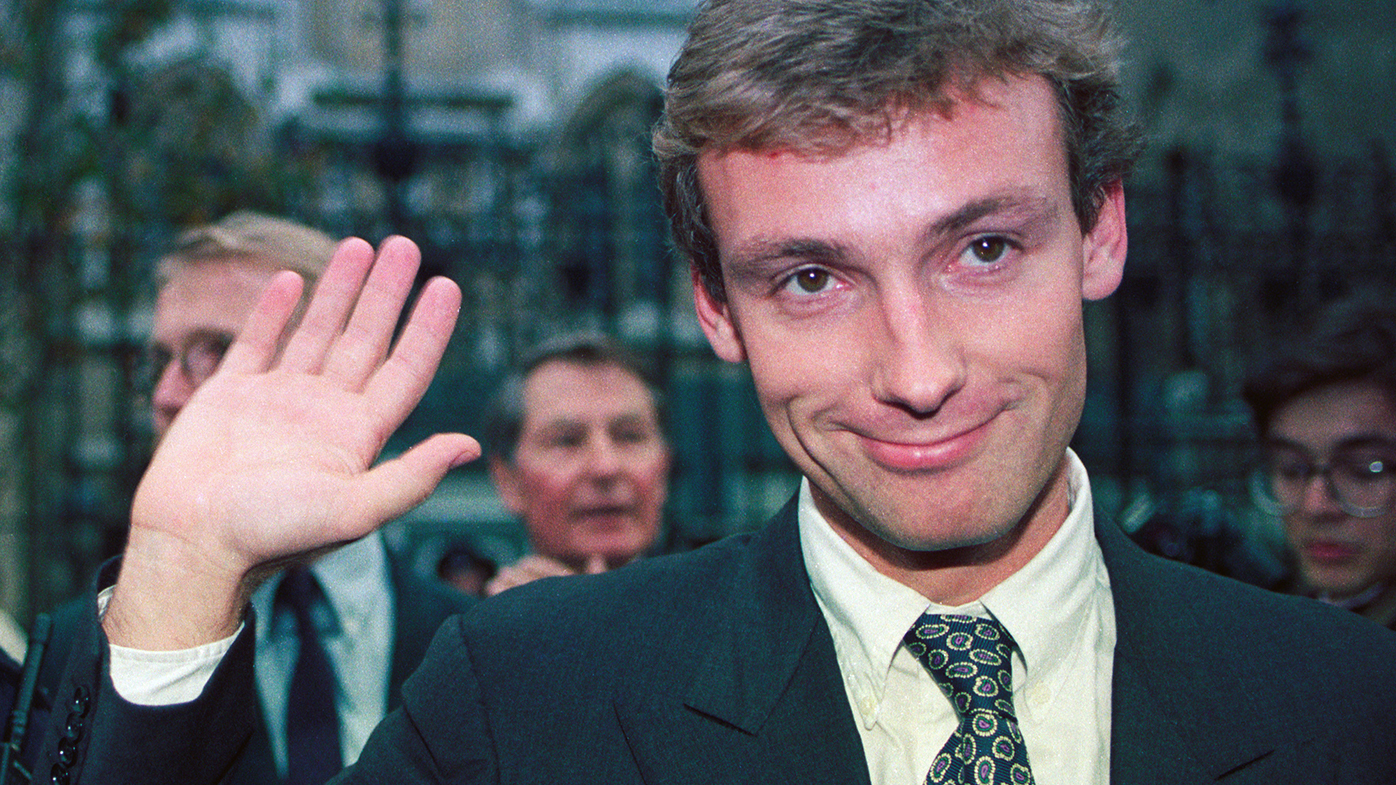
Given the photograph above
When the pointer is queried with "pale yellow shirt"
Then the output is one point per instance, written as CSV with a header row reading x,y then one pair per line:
x,y
1059,610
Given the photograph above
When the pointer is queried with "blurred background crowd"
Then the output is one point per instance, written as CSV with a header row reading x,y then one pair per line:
x,y
509,138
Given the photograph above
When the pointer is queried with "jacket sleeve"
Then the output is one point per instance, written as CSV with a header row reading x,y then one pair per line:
x,y
97,738
440,733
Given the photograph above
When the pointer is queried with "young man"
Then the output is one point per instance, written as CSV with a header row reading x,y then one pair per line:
x,y
1325,408
894,210
577,451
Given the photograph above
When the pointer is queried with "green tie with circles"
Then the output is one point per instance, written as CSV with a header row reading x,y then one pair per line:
x,y
971,659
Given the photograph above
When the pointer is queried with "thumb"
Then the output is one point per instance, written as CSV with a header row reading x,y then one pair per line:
x,y
396,486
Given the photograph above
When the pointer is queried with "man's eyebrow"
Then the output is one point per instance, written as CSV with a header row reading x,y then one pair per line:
x,y
211,334
1353,442
755,254
1366,439
194,336
1019,206
627,419
751,256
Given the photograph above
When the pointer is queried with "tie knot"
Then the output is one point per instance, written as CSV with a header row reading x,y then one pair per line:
x,y
970,658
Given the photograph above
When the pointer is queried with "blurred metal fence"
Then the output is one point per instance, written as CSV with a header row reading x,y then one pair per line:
x,y
542,239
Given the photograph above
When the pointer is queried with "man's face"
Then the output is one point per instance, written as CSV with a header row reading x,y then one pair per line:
x,y
197,314
590,472
1342,425
911,314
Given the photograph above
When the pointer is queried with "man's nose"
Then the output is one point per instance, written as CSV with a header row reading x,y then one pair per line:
x,y
919,360
1318,497
172,390
603,457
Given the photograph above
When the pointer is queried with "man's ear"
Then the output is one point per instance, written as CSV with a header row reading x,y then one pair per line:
x,y
1104,247
506,483
716,320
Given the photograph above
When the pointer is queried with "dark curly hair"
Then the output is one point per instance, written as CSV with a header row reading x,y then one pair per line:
x,y
1354,341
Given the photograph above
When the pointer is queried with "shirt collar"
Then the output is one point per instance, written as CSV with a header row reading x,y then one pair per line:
x,y
1041,605
1047,603
353,578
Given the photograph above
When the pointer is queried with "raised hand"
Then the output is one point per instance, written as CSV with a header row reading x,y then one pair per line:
x,y
273,458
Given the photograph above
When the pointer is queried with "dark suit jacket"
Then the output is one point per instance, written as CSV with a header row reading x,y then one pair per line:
x,y
717,667
420,607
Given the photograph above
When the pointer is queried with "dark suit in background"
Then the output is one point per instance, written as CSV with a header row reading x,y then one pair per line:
x,y
420,607
717,667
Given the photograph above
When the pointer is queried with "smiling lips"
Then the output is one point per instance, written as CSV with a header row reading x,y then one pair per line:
x,y
928,456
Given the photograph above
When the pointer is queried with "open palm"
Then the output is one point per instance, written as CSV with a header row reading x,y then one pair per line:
x,y
273,458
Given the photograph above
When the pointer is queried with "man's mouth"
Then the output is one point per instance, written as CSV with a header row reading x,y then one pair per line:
x,y
1329,551
925,455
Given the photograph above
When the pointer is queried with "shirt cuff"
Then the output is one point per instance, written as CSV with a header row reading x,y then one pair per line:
x,y
163,678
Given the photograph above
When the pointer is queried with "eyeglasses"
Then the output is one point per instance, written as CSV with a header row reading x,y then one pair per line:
x,y
1360,479
198,359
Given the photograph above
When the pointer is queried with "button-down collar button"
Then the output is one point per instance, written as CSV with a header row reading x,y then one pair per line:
x,y
1039,695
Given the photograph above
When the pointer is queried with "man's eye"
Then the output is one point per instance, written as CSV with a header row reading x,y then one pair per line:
x,y
811,279
567,441
1369,468
629,437
1292,470
988,250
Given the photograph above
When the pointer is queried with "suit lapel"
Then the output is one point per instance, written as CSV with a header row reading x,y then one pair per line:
x,y
419,608
763,699
1165,725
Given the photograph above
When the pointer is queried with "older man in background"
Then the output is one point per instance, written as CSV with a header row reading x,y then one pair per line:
x,y
578,454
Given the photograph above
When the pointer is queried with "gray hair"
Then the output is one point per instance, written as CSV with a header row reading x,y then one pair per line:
x,y
504,418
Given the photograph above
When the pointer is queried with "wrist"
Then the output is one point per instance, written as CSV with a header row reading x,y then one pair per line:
x,y
168,596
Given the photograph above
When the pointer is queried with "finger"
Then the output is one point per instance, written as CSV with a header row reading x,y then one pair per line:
x,y
504,580
397,385
256,344
543,567
365,340
396,486
334,298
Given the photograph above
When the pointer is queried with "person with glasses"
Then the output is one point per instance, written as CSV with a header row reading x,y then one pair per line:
x,y
366,618
208,282
1325,409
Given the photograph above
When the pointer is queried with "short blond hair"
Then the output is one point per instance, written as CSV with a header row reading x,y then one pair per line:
x,y
256,239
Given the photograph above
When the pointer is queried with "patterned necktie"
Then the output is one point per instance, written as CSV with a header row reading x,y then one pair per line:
x,y
312,721
972,661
